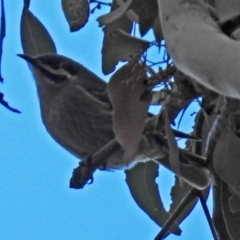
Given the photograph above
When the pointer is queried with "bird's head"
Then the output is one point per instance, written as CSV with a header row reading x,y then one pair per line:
x,y
54,67
54,72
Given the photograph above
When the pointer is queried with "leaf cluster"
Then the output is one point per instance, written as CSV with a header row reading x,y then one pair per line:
x,y
198,60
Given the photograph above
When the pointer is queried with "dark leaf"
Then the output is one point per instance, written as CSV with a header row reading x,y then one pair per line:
x,y
157,30
178,192
76,13
115,14
142,185
34,36
234,202
124,89
172,144
195,174
236,34
147,12
109,47
2,35
200,32
206,129
227,9
225,221
5,104
121,47
226,159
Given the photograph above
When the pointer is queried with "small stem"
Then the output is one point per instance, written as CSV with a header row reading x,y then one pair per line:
x,y
99,2
207,214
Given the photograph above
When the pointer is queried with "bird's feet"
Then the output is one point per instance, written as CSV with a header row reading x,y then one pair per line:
x,y
83,174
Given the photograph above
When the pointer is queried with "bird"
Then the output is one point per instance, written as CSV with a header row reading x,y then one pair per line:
x,y
75,108
74,104
77,113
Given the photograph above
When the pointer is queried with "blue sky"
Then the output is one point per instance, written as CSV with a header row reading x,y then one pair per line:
x,y
35,200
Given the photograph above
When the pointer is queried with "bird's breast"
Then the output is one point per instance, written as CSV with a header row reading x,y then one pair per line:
x,y
80,125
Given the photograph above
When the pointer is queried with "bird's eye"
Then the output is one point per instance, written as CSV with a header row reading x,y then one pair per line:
x,y
53,64
69,67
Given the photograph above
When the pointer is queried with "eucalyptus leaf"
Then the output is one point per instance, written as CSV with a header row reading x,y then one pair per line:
x,y
231,219
236,34
76,12
115,14
35,38
225,221
129,111
226,159
109,47
193,173
234,202
172,144
132,16
178,192
157,30
147,12
144,190
200,49
227,9
121,47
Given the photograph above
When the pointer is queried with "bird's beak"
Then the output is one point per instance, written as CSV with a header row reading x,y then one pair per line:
x,y
32,60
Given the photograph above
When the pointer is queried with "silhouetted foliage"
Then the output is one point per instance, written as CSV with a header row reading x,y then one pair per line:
x,y
197,42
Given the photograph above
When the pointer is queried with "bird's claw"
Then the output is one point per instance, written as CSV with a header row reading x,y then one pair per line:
x,y
82,174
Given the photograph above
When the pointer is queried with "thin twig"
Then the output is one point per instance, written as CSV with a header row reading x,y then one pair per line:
x,y
100,2
2,35
207,214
